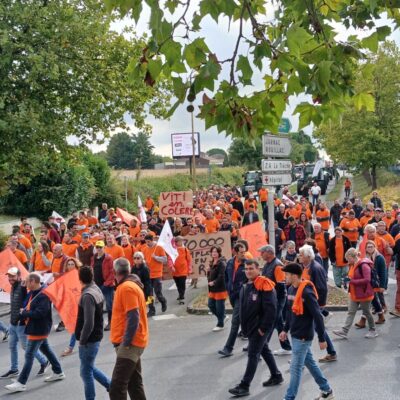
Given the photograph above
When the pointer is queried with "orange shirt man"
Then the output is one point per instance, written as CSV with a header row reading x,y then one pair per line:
x,y
149,203
211,223
155,257
263,195
351,226
323,216
113,249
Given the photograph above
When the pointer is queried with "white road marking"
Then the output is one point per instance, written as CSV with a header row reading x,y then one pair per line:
x,y
164,317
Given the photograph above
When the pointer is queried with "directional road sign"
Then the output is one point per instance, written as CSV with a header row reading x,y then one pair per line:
x,y
276,146
285,126
276,166
276,179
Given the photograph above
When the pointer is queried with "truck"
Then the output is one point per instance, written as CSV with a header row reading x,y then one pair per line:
x,y
252,180
306,179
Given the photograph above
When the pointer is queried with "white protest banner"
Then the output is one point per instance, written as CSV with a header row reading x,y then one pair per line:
x,y
200,245
166,241
176,204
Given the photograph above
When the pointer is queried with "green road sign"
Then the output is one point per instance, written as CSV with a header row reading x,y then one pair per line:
x,y
285,126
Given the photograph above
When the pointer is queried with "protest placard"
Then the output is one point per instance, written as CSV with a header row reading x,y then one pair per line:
x,y
254,234
199,246
176,204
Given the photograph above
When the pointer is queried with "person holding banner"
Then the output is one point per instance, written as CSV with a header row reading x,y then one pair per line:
x,y
37,315
217,293
17,327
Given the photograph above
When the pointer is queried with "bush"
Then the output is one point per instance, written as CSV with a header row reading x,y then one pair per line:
x,y
3,240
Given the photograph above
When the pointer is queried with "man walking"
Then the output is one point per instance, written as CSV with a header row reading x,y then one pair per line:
x,y
302,315
257,311
37,313
89,332
129,334
234,278
17,327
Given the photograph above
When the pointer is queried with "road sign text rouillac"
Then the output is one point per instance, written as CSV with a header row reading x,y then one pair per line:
x,y
276,146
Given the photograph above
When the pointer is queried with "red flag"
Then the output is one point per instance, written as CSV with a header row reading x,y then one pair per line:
x,y
65,293
8,260
255,236
125,216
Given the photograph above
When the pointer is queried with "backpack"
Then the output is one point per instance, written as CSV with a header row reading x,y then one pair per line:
x,y
374,278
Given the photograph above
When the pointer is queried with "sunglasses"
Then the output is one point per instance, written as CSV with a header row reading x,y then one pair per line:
x,y
99,247
137,258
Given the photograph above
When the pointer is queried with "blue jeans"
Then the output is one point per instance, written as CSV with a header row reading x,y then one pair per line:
x,y
108,293
17,334
302,356
281,304
32,347
217,307
72,341
235,324
3,327
258,345
89,373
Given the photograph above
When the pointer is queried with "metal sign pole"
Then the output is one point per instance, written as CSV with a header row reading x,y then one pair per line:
x,y
271,217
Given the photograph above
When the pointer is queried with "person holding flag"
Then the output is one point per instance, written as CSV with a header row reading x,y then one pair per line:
x,y
37,315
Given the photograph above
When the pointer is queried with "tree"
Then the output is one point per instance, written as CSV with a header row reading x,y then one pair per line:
x,y
242,153
64,73
143,151
298,51
120,151
215,151
369,140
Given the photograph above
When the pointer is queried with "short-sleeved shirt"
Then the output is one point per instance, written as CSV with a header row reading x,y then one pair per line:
x,y
115,251
69,249
22,258
129,296
156,268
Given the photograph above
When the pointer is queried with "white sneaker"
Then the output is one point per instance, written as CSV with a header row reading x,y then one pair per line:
x,y
16,387
282,352
327,318
372,334
218,328
340,333
55,377
226,318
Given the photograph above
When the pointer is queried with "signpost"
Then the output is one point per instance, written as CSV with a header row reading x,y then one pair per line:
x,y
276,172
285,126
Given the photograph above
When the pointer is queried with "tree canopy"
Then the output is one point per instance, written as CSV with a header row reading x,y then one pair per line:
x,y
215,151
292,44
63,74
369,140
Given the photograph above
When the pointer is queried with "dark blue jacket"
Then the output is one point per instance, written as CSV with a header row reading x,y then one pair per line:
x,y
234,284
319,279
39,315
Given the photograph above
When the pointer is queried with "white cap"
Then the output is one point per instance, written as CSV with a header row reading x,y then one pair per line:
x,y
13,271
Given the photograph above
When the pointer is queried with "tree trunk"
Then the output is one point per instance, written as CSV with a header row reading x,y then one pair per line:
x,y
373,178
367,176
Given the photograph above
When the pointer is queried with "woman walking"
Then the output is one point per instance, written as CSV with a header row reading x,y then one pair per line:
x,y
216,287
181,269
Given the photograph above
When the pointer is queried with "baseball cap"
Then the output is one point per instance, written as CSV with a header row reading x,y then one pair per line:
x,y
13,271
99,243
85,235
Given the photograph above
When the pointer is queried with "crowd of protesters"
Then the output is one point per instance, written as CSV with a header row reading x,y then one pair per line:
x,y
283,287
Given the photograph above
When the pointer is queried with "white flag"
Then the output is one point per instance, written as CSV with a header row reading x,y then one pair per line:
x,y
287,201
142,212
166,241
56,215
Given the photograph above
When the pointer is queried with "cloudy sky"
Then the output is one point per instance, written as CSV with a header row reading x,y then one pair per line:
x,y
221,40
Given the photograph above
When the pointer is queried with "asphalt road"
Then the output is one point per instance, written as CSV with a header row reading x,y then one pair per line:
x,y
181,363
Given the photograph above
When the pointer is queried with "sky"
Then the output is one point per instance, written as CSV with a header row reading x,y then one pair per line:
x,y
221,40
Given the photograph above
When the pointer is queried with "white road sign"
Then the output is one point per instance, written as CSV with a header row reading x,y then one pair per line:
x,y
276,166
276,146
276,179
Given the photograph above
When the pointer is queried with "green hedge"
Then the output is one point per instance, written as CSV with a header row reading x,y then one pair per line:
x,y
154,186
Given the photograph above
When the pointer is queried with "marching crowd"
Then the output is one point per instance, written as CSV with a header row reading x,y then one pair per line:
x,y
284,287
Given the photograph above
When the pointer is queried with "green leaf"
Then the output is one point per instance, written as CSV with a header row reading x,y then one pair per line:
x,y
383,32
296,38
324,74
261,52
172,51
209,7
180,88
136,9
195,53
172,110
324,9
154,67
371,42
207,74
171,5
364,100
244,67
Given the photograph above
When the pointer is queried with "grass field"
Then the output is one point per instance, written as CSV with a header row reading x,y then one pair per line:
x,y
155,173
6,218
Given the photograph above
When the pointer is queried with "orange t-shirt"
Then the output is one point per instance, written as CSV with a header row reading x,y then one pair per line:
x,y
133,231
129,296
25,242
291,212
22,258
263,194
56,265
388,238
323,214
350,224
183,262
235,215
115,251
212,225
92,220
339,253
321,245
69,249
364,220
156,268
149,204
37,261
129,251
387,221
248,202
83,222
